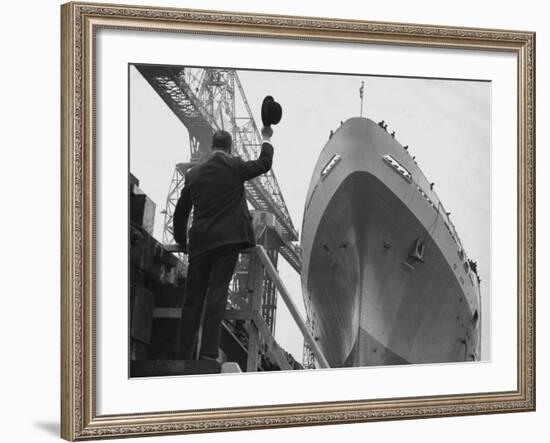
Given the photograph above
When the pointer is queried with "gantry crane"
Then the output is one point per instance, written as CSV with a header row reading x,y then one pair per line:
x,y
205,100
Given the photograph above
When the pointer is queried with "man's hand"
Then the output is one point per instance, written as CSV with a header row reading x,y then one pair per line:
x,y
267,133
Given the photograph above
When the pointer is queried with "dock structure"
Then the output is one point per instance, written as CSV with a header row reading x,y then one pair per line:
x,y
206,100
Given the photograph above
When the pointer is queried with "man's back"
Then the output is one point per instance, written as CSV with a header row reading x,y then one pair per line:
x,y
215,190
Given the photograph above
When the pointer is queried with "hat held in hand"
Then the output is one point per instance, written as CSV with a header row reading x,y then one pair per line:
x,y
271,111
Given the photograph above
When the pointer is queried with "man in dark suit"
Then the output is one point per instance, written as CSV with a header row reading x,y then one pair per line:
x,y
221,227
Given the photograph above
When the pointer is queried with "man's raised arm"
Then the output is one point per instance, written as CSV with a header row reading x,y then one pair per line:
x,y
253,168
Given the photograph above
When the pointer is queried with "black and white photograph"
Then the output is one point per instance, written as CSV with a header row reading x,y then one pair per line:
x,y
303,220
272,220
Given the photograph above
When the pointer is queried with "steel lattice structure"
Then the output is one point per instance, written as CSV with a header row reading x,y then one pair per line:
x,y
205,100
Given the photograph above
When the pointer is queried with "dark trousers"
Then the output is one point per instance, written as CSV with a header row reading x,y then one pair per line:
x,y
208,278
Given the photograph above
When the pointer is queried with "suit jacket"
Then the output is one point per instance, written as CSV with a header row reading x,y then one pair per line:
x,y
215,191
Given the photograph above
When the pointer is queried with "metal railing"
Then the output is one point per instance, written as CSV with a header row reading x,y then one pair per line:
x,y
285,295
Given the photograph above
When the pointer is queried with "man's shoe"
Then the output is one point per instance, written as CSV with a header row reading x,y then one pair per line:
x,y
208,358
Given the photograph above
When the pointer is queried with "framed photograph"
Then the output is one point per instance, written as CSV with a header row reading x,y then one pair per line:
x,y
281,221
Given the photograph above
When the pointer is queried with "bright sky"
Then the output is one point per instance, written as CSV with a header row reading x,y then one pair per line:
x,y
446,123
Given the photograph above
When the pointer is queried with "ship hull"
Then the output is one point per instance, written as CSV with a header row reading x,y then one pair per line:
x,y
372,299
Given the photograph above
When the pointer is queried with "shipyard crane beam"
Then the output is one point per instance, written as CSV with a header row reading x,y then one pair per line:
x,y
204,101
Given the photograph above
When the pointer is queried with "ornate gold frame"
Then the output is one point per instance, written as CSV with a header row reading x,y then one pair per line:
x,y
79,420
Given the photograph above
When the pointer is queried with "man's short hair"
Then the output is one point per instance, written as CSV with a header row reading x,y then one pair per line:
x,y
222,140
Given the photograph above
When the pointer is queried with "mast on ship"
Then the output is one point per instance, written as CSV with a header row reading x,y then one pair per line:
x,y
361,90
